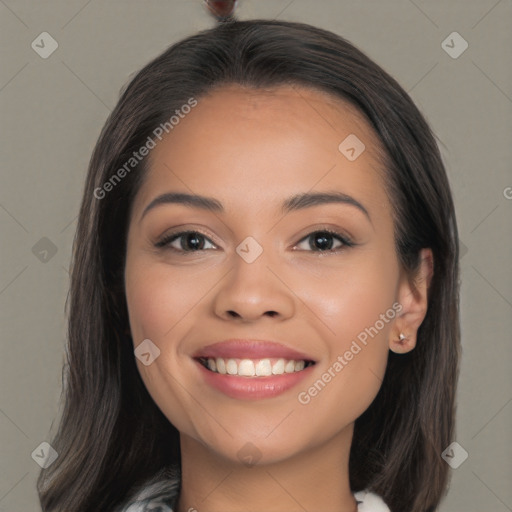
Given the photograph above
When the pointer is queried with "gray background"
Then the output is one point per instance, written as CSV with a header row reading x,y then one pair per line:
x,y
52,111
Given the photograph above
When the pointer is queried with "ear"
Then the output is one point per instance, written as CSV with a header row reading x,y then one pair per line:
x,y
413,297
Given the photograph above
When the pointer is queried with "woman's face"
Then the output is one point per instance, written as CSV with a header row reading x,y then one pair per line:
x,y
261,267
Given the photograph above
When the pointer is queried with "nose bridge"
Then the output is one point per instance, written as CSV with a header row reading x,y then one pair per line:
x,y
251,288
250,263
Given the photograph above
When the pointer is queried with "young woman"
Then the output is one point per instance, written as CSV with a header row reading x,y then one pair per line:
x,y
263,311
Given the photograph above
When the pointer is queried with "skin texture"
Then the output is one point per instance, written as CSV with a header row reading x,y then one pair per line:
x,y
251,150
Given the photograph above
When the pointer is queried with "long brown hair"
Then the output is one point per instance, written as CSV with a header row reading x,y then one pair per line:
x,y
112,437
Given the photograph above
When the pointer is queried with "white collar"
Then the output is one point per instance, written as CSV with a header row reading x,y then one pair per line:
x,y
369,502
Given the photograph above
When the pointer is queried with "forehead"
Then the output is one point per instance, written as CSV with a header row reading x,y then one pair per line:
x,y
241,143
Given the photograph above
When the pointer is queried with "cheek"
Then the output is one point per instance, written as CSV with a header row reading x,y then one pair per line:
x,y
358,308
146,302
360,320
155,309
353,298
157,298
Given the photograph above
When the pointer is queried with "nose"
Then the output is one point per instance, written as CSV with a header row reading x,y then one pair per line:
x,y
253,290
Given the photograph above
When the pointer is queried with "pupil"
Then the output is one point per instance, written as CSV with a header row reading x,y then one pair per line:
x,y
192,240
322,241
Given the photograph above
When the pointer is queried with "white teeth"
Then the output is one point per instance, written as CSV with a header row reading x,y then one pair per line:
x,y
263,368
254,368
278,368
246,368
299,365
231,367
289,367
221,365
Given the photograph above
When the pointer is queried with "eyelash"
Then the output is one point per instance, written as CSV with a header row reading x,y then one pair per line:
x,y
168,239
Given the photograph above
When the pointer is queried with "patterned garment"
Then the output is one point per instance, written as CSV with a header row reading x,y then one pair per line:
x,y
160,494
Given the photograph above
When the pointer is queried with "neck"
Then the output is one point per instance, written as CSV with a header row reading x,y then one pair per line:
x,y
316,479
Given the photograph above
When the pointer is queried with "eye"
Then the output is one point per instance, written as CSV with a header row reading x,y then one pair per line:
x,y
323,241
187,241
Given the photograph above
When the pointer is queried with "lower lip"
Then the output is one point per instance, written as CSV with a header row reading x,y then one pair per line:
x,y
253,388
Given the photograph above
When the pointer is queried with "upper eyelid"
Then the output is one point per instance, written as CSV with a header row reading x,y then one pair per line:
x,y
167,239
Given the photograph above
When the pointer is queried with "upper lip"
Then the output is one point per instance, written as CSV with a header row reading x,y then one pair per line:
x,y
250,349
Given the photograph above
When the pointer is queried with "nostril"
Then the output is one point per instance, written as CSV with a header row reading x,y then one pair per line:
x,y
234,314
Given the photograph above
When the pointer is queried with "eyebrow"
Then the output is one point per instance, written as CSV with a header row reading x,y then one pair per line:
x,y
294,203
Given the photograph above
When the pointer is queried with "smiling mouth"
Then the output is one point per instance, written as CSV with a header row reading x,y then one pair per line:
x,y
254,367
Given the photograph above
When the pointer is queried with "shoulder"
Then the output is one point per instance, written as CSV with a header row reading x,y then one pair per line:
x,y
369,502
